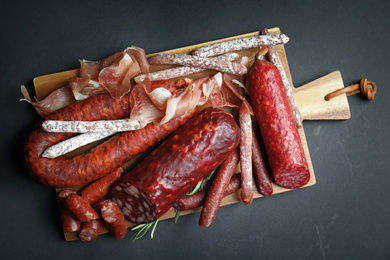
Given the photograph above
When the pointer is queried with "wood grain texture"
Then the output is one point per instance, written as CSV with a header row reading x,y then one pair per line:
x,y
310,99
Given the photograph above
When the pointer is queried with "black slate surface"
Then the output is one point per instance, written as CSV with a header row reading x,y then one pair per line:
x,y
344,216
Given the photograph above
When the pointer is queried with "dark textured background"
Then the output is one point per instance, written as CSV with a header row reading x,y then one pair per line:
x,y
344,216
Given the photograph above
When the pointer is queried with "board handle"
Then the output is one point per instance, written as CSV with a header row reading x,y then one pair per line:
x,y
311,99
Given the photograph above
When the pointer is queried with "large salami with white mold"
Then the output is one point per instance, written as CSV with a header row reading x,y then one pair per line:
x,y
175,167
277,125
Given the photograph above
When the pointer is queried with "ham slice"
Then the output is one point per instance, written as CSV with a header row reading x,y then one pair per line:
x,y
57,99
160,105
113,75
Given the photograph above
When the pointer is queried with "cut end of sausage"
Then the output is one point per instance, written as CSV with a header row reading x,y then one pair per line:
x,y
135,205
292,176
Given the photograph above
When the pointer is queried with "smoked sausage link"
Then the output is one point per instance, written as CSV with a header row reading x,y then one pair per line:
x,y
175,167
68,172
277,125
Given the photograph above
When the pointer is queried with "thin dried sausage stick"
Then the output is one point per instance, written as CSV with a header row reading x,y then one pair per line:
x,y
240,44
273,57
277,125
175,72
195,150
260,171
113,126
196,200
68,221
246,152
101,187
195,61
217,190
113,218
181,71
73,143
102,159
80,208
90,230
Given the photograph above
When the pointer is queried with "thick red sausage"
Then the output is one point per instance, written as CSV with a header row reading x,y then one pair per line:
x,y
102,159
277,125
217,190
101,187
114,219
90,230
196,200
80,208
68,221
175,167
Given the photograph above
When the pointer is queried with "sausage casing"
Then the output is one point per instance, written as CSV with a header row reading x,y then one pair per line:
x,y
277,125
175,167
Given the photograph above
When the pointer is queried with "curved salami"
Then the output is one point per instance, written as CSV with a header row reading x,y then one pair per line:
x,y
102,159
175,167
277,125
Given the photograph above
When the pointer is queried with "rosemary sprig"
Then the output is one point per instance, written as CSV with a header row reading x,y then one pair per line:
x,y
143,228
177,215
199,186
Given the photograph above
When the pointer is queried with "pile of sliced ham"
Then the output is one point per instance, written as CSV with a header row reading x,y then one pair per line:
x,y
111,75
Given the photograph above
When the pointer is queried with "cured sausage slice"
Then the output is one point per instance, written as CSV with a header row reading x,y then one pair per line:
x,y
113,217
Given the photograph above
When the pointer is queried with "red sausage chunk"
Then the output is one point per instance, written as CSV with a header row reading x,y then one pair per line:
x,y
175,167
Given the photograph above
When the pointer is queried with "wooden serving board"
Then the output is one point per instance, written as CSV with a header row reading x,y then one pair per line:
x,y
310,99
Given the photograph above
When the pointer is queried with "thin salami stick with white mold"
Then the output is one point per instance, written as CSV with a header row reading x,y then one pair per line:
x,y
120,125
217,190
176,72
182,71
260,172
246,152
240,44
73,143
201,62
273,57
196,200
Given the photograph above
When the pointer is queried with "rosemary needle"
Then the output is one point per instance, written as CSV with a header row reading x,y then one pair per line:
x,y
143,228
177,215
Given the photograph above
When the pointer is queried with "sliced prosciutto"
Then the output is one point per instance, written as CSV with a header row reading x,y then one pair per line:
x,y
112,74
57,99
160,105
